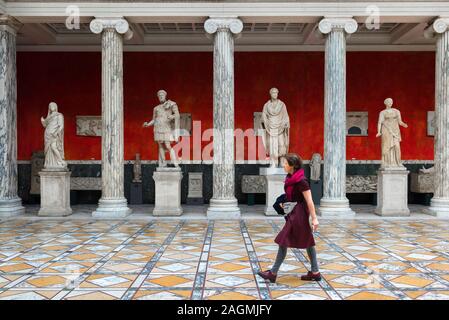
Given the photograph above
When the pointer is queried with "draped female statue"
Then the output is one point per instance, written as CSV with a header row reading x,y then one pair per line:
x,y
388,129
54,138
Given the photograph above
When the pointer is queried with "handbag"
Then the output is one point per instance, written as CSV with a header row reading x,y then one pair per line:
x,y
289,206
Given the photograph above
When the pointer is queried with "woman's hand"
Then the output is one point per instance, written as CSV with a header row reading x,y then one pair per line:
x,y
315,224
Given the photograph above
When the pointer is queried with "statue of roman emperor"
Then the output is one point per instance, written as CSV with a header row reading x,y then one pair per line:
x,y
166,127
54,138
388,129
276,125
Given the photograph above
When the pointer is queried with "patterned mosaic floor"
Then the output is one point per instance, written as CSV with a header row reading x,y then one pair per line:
x,y
199,259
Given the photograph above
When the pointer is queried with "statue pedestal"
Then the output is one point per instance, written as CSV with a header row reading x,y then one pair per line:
x,y
168,191
136,193
275,178
392,192
55,193
195,194
316,187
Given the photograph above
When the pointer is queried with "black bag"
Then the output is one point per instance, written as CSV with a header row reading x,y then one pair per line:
x,y
277,205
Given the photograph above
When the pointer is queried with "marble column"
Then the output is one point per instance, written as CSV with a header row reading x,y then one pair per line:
x,y
223,204
439,205
113,202
10,203
334,201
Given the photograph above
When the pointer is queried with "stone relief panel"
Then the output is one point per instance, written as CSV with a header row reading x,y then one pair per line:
x,y
253,184
85,183
430,123
357,123
422,182
361,184
37,164
88,126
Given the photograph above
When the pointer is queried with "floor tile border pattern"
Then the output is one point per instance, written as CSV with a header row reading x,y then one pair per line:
x,y
360,267
331,292
262,288
200,278
150,264
423,269
64,291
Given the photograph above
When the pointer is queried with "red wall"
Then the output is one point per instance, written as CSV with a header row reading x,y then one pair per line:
x,y
73,81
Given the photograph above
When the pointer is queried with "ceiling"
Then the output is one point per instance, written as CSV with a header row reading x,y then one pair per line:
x,y
255,36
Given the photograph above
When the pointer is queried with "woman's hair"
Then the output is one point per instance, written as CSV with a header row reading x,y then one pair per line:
x,y
293,160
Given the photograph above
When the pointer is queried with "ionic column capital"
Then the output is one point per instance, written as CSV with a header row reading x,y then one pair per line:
x,y
214,24
326,25
440,25
9,23
119,24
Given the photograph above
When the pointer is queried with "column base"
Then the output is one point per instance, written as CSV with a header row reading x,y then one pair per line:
x,y
11,207
223,209
112,208
335,208
439,207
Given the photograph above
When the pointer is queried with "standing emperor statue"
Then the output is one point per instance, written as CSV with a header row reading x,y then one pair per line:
x,y
276,125
166,127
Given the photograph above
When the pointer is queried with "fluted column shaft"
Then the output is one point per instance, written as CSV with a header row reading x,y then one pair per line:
x,y
10,203
112,115
223,203
440,201
112,202
334,201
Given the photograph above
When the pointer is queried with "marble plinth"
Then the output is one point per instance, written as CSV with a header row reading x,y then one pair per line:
x,y
55,193
167,182
275,178
136,193
392,192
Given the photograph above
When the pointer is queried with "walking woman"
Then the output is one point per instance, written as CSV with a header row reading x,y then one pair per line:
x,y
297,231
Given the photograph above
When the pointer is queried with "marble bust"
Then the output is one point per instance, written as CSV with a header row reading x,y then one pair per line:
x,y
275,125
388,129
166,127
315,167
54,138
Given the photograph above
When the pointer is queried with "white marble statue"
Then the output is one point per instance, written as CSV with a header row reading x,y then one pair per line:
x,y
137,169
388,129
54,138
276,125
166,127
315,167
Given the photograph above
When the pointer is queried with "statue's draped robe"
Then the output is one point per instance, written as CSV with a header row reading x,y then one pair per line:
x,y
391,136
276,124
54,140
166,129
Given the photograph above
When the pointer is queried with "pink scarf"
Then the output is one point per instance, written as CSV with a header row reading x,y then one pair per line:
x,y
291,180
